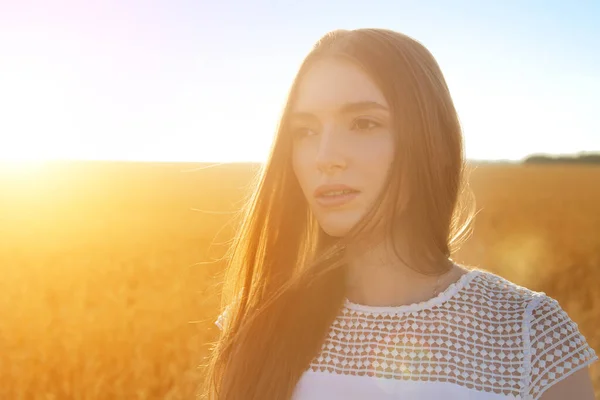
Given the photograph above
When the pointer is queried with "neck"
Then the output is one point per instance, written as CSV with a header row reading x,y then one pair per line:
x,y
377,276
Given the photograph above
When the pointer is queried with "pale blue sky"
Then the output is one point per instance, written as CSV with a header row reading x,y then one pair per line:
x,y
174,80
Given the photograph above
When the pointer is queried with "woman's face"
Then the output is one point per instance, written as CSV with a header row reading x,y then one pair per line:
x,y
343,143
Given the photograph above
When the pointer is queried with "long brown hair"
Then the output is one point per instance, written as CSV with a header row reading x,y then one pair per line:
x,y
285,281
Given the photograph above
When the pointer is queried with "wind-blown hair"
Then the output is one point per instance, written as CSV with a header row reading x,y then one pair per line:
x,y
285,279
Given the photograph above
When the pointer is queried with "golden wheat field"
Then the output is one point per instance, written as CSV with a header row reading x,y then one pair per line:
x,y
109,284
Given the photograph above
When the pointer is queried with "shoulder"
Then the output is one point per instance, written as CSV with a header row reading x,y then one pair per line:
x,y
556,347
552,345
498,292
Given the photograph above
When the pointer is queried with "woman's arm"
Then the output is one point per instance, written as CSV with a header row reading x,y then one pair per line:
x,y
578,386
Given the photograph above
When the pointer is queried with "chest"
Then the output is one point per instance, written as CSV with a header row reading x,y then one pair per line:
x,y
327,386
419,352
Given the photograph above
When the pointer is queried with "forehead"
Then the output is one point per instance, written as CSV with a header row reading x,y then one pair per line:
x,y
330,83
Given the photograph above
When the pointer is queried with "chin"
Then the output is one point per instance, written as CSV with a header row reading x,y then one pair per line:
x,y
337,226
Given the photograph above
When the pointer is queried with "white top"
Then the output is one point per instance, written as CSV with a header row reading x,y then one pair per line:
x,y
483,338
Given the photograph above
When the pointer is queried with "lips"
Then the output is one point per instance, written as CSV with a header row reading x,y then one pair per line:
x,y
335,195
330,190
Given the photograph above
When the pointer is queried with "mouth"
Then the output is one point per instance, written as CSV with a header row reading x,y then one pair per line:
x,y
335,195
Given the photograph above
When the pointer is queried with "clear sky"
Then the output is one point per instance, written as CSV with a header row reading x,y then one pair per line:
x,y
198,80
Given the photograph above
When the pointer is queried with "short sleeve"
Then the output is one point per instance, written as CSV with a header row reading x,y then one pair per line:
x,y
557,349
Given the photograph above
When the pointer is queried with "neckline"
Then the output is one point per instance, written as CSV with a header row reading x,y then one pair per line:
x,y
443,296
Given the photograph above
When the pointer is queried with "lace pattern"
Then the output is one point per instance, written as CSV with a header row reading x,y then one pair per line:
x,y
483,332
557,347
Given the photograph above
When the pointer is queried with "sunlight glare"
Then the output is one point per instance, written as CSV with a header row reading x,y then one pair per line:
x,y
21,167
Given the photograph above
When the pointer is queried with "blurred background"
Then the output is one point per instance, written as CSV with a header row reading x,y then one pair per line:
x,y
131,131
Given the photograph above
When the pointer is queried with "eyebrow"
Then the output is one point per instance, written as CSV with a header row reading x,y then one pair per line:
x,y
361,106
348,108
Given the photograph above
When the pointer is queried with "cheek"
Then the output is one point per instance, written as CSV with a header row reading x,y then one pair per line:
x,y
379,160
300,168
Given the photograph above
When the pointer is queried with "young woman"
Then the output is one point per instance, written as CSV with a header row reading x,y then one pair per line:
x,y
340,284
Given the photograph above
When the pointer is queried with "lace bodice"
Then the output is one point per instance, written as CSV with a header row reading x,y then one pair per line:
x,y
484,337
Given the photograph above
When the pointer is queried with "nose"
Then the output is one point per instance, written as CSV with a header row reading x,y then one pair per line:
x,y
330,154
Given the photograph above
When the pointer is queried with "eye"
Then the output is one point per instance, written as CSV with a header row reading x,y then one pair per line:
x,y
364,124
302,131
